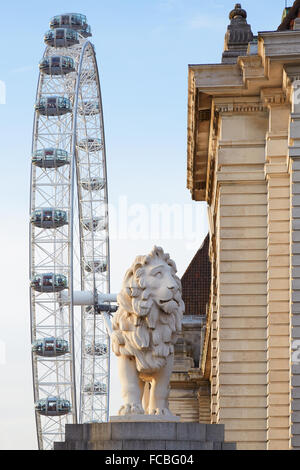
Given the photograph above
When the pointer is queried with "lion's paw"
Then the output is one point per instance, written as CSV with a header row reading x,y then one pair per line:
x,y
161,411
131,409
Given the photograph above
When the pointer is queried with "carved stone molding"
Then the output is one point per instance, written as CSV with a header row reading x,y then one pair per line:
x,y
273,96
240,107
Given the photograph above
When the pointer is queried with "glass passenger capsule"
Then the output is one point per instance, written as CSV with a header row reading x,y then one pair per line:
x,y
98,350
93,184
50,158
98,388
49,218
49,282
50,347
92,145
54,106
61,37
53,406
96,266
57,65
73,21
89,108
97,223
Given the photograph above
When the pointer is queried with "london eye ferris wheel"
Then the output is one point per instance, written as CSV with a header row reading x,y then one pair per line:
x,y
69,242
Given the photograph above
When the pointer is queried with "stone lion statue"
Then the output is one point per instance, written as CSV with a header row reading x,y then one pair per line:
x,y
145,330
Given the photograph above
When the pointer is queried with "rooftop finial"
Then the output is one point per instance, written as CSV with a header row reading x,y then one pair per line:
x,y
237,11
238,35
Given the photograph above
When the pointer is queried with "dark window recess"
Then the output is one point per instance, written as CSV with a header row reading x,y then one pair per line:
x,y
204,115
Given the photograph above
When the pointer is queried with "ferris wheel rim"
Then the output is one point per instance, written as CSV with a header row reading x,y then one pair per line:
x,y
83,47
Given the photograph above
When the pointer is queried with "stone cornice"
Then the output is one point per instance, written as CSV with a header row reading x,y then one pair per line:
x,y
276,170
293,72
253,107
217,77
273,96
254,84
282,47
252,67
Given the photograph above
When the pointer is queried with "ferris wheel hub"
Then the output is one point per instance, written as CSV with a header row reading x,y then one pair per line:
x,y
86,298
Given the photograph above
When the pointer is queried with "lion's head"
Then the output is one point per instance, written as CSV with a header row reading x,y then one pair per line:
x,y
150,311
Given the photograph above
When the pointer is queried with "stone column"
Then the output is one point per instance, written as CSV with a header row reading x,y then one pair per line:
x,y
294,154
204,402
278,264
214,364
242,272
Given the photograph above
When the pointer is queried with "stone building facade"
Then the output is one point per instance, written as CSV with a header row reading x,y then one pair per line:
x,y
244,161
190,389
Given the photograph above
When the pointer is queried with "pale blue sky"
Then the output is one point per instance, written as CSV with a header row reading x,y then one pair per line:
x,y
143,50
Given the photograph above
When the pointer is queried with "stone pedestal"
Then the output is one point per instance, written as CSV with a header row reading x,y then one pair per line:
x,y
165,436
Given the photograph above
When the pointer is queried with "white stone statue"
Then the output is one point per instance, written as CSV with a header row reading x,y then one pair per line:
x,y
144,332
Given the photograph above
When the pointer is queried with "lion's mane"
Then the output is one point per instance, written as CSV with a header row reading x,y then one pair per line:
x,y
140,329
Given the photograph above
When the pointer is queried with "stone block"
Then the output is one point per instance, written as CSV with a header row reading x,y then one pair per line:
x,y
296,296
76,445
296,235
144,445
296,332
276,411
295,393
295,188
296,284
228,446
280,422
296,176
191,431
59,446
296,320
74,432
296,308
296,223
294,152
105,445
296,441
189,445
217,445
296,248
296,404
296,415
97,431
296,200
296,212
296,271
279,444
130,431
215,432
295,369
294,131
